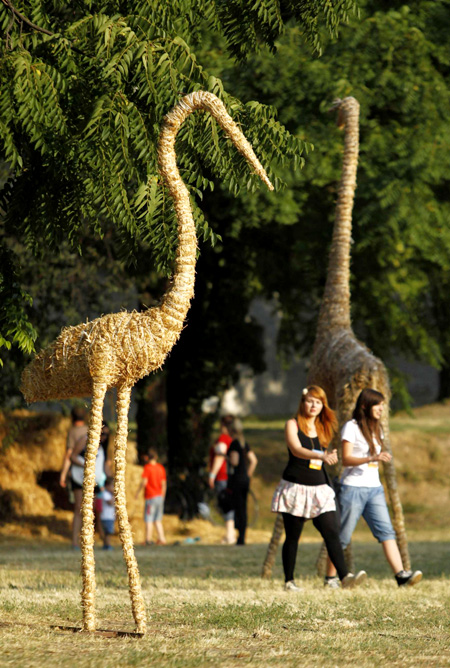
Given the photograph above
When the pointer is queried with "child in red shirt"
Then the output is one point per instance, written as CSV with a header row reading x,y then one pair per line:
x,y
154,480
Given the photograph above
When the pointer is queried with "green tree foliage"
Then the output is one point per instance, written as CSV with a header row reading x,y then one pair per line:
x,y
395,61
64,288
83,89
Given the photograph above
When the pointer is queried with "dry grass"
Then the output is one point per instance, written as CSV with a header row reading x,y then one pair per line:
x,y
207,605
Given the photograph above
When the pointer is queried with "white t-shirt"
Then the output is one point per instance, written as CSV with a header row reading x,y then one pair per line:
x,y
77,471
108,512
364,475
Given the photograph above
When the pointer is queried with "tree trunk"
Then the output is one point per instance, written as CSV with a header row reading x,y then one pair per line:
x,y
444,383
151,412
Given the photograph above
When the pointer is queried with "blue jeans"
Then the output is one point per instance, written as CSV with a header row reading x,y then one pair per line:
x,y
108,527
371,504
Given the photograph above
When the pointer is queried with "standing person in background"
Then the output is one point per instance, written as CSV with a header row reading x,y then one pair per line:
x,y
108,513
154,480
78,429
242,464
361,490
107,473
304,491
77,477
218,475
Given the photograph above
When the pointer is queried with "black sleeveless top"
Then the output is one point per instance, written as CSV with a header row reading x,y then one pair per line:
x,y
298,470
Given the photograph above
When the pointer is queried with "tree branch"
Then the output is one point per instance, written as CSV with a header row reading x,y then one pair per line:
x,y
24,18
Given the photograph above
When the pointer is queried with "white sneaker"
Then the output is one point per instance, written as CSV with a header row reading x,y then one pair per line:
x,y
351,580
332,583
408,578
291,586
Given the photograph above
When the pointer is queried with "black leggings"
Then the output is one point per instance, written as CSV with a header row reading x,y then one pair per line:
x,y
327,524
240,493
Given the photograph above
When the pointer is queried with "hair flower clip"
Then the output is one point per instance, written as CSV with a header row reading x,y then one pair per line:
x,y
305,391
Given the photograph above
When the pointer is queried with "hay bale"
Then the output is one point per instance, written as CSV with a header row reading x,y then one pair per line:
x,y
24,500
31,443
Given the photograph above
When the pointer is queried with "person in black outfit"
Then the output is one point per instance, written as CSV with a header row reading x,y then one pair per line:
x,y
241,466
305,491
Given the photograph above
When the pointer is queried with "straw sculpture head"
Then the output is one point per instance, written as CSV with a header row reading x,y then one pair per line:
x,y
120,348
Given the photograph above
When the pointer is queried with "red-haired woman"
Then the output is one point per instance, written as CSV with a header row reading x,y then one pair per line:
x,y
361,490
304,492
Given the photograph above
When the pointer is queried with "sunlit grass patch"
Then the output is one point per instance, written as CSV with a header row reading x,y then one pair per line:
x,y
229,616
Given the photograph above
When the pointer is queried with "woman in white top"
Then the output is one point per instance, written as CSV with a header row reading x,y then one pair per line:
x,y
362,493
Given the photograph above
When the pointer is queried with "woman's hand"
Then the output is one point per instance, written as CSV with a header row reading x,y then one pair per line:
x,y
383,457
330,457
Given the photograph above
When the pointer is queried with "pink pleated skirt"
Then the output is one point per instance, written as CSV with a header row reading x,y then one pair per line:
x,y
303,500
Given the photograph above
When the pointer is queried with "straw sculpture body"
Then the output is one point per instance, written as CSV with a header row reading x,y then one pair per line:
x,y
340,363
119,349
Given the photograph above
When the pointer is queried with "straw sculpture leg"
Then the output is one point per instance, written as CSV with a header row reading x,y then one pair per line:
x,y
321,562
126,537
87,509
398,519
273,547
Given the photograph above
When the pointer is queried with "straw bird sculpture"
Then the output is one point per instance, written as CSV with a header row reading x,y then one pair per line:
x,y
118,349
340,363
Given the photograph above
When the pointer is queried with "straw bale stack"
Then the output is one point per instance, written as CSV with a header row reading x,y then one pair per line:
x,y
33,443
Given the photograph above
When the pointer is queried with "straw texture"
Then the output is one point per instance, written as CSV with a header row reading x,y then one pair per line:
x,y
87,510
134,583
340,363
120,348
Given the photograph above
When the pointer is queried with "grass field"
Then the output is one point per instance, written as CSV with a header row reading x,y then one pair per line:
x,y
208,606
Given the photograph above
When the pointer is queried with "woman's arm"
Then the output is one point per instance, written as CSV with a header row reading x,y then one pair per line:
x,y
164,488
234,458
294,445
252,463
107,467
65,468
219,458
75,456
349,460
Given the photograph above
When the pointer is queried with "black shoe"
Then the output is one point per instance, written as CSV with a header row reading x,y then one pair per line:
x,y
408,578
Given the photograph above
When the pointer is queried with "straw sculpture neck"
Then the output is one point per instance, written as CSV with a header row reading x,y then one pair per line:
x,y
176,302
335,309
